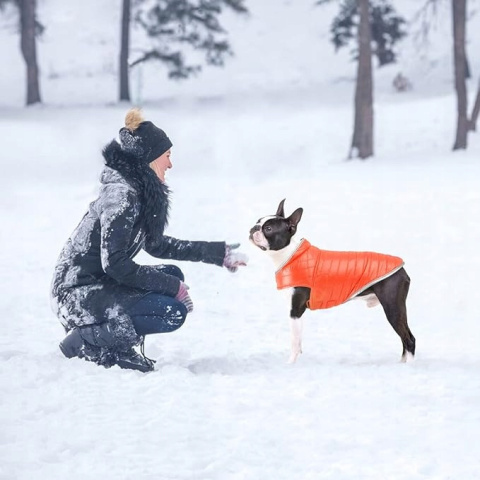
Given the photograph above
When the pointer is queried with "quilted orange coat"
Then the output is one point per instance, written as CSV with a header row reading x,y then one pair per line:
x,y
334,277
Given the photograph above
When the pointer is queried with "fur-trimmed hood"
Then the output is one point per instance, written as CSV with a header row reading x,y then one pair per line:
x,y
154,194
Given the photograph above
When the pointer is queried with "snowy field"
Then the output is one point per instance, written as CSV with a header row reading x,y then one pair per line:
x,y
222,403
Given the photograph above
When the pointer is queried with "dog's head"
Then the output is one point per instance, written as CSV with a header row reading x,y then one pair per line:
x,y
274,232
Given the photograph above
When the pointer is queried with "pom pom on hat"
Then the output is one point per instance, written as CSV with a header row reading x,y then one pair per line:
x,y
142,138
133,119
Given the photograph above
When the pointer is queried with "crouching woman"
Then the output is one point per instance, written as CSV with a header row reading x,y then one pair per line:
x,y
105,301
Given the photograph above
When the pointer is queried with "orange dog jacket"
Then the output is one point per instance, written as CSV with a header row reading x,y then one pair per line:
x,y
334,277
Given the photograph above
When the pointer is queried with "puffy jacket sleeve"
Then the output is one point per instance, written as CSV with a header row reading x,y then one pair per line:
x,y
118,212
194,251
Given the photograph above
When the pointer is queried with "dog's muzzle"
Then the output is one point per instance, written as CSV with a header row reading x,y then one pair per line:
x,y
258,238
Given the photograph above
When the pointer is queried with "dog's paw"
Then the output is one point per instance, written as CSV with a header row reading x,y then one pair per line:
x,y
292,359
294,355
408,357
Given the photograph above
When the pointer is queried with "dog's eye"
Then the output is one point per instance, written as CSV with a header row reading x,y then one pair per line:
x,y
268,229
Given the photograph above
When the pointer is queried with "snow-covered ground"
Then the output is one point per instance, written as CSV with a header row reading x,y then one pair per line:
x,y
222,403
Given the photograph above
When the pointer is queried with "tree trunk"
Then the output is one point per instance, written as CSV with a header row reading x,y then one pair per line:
x,y
124,51
362,141
459,27
472,124
468,73
29,48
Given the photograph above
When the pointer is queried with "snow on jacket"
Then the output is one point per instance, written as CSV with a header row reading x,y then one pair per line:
x,y
334,277
96,277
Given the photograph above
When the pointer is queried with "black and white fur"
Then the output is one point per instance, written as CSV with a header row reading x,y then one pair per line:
x,y
274,235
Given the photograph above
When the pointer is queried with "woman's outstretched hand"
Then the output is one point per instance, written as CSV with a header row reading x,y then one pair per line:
x,y
234,259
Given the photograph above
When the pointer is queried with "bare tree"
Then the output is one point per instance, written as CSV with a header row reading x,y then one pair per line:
x,y
362,141
124,51
28,30
472,124
459,30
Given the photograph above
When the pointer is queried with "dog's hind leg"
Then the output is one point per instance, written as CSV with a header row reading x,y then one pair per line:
x,y
392,294
300,297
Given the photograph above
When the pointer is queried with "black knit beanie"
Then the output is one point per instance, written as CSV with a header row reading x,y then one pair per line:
x,y
142,138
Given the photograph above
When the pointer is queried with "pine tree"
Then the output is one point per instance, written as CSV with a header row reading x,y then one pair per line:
x,y
179,26
349,27
362,140
387,28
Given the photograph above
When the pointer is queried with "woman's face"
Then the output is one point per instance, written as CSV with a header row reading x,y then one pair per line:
x,y
161,164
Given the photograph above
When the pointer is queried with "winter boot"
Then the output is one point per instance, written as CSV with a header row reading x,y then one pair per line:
x,y
91,342
134,361
72,343
98,344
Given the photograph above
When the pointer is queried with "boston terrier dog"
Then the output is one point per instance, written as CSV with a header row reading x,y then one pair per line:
x,y
323,279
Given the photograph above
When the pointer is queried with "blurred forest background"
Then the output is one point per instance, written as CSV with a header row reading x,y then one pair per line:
x,y
182,37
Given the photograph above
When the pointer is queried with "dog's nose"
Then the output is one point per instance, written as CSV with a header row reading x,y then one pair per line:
x,y
254,229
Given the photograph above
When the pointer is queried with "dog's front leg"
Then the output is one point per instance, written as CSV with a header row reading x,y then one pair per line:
x,y
296,326
300,297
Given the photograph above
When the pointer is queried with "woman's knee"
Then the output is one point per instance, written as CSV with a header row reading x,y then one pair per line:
x,y
169,316
177,319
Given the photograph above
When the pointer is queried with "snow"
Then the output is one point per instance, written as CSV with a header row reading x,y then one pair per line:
x,y
222,403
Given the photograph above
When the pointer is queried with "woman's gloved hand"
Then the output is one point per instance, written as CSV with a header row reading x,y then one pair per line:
x,y
184,297
234,259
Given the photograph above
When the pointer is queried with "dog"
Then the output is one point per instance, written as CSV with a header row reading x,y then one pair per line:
x,y
323,279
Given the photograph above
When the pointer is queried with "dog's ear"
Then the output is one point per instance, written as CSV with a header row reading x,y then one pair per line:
x,y
280,211
294,219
